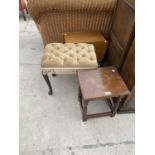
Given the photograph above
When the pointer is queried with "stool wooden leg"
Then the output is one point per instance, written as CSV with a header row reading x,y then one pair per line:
x,y
45,76
53,74
84,116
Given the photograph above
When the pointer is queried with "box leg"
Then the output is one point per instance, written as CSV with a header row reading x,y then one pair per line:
x,y
84,117
79,95
116,106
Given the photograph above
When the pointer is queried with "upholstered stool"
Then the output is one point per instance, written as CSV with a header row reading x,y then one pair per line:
x,y
67,58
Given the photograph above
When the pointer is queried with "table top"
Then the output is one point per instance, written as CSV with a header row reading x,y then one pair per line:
x,y
103,82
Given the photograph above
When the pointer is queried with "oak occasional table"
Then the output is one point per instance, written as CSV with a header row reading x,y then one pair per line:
x,y
102,83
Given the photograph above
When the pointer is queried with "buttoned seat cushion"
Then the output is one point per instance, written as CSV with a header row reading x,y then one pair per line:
x,y
69,56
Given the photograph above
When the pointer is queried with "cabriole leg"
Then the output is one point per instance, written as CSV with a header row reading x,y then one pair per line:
x,y
45,76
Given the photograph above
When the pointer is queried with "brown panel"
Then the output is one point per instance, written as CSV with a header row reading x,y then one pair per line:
x,y
123,22
114,52
128,74
128,70
122,33
131,2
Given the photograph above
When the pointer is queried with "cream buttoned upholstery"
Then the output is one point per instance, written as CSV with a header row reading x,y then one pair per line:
x,y
68,57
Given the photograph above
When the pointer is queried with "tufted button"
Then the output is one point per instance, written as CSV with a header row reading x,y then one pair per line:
x,y
71,55
70,48
65,51
91,58
83,55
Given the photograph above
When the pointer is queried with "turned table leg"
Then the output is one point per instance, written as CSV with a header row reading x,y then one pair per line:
x,y
45,76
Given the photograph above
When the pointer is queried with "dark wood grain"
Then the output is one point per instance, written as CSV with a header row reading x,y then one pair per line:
x,y
128,74
123,22
128,69
98,82
122,33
